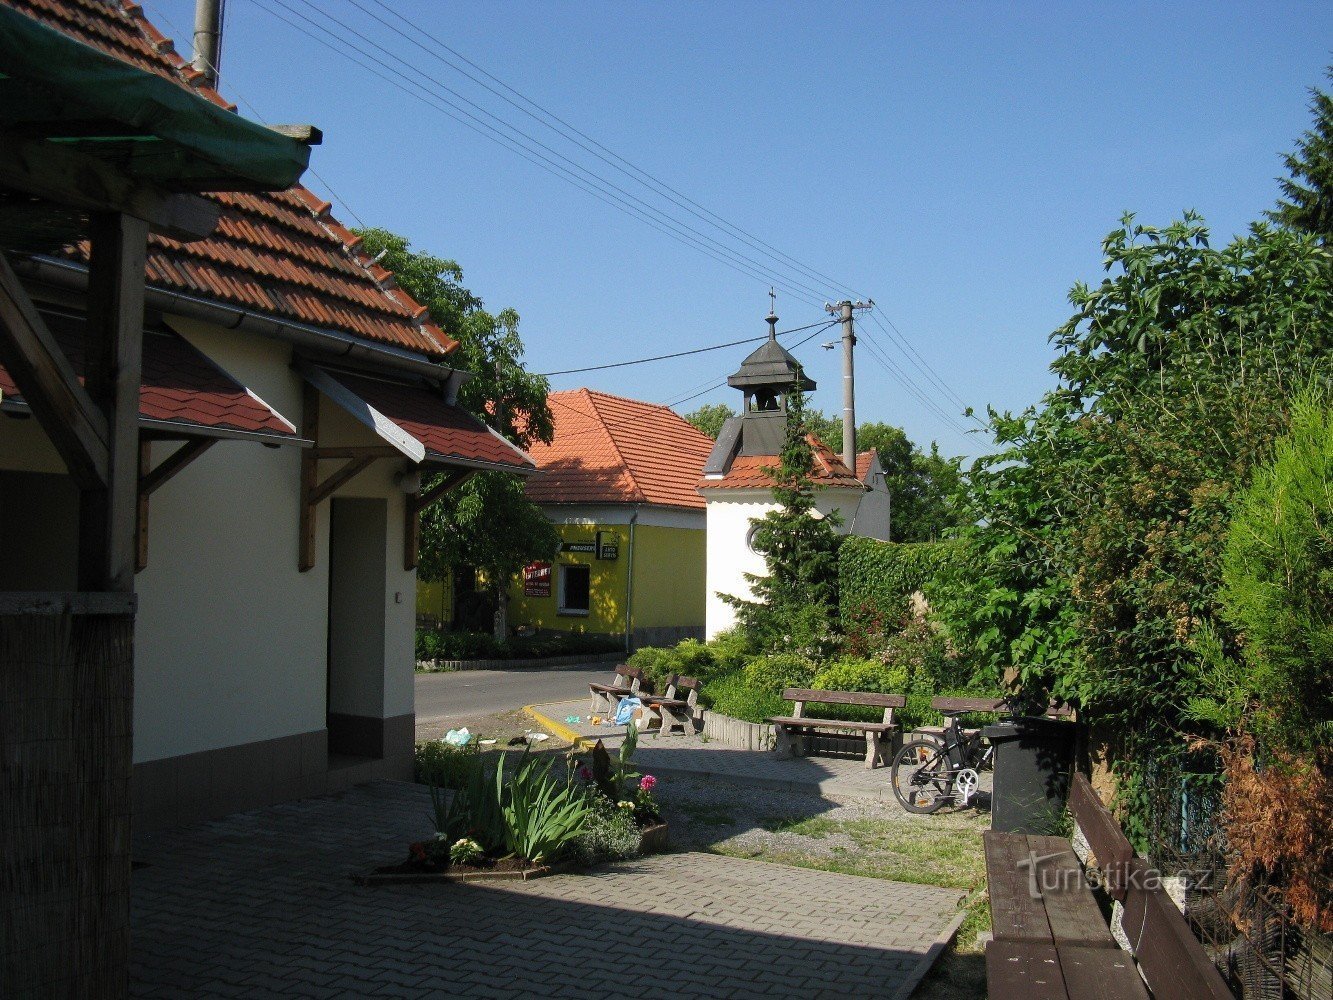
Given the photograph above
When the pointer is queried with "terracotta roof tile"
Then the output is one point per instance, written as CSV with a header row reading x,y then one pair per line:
x,y
608,449
179,384
863,460
448,432
748,471
281,254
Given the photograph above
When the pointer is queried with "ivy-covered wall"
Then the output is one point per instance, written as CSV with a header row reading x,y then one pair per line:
x,y
883,575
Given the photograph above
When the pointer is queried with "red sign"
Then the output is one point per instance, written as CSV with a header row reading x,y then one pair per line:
x,y
537,579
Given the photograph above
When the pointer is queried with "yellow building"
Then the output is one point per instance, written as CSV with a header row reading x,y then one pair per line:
x,y
620,481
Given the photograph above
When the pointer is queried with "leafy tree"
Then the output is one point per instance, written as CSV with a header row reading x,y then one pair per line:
x,y
1099,525
1307,195
710,417
487,522
794,606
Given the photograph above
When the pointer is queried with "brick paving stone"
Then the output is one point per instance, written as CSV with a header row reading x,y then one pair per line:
x,y
261,904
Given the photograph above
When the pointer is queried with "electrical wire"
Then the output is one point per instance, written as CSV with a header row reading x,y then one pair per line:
x,y
568,167
719,385
682,354
545,117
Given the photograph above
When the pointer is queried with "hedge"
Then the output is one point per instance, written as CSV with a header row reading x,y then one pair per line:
x,y
883,575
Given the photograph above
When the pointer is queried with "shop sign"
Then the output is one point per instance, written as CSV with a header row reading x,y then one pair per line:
x,y
537,579
589,547
608,545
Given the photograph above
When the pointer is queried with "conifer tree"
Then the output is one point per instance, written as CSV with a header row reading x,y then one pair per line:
x,y
1307,197
795,603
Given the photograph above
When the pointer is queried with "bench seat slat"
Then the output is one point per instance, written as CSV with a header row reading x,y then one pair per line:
x,y
1015,915
1107,974
1071,909
806,722
1017,970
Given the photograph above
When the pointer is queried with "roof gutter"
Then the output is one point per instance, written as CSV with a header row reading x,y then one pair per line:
x,y
334,343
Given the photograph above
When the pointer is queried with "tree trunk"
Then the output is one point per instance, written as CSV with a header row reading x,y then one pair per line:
x,y
501,614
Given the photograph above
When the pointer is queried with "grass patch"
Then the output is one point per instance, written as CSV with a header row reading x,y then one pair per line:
x,y
920,853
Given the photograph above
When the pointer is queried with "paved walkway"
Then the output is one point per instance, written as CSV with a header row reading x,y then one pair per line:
x,y
260,904
837,778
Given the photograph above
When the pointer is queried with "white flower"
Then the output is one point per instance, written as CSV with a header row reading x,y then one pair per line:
x,y
625,804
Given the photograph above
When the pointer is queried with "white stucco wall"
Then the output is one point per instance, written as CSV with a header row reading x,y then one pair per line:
x,y
231,639
730,513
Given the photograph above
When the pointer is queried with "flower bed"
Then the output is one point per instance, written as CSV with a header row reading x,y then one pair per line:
x,y
526,823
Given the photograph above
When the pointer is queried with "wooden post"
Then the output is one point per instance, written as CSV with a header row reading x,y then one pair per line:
x,y
414,505
113,359
141,531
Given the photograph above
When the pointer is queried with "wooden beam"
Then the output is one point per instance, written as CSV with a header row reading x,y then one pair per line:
x,y
76,427
352,468
66,177
310,135
113,353
414,505
305,558
141,530
150,479
178,460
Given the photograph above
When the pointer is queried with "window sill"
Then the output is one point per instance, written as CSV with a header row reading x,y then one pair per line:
x,y
572,613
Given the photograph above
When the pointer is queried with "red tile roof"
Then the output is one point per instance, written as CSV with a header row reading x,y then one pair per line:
x,y
747,471
863,460
449,433
280,254
179,385
608,449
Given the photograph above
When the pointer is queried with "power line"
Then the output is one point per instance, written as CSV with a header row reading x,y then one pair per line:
x,y
719,385
545,116
681,354
556,159
914,356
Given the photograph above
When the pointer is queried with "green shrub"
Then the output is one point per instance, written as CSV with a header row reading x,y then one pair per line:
x,y
657,663
730,650
875,579
610,834
731,694
443,764
781,670
862,675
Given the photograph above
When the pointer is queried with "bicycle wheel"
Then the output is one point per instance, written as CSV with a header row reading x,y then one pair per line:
x,y
921,776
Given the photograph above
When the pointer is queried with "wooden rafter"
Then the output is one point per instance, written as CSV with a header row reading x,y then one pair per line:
x,y
67,413
416,504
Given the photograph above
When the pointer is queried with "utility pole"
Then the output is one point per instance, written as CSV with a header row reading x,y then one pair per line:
x,y
208,38
846,311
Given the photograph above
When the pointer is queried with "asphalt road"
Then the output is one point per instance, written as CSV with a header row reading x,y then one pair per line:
x,y
466,694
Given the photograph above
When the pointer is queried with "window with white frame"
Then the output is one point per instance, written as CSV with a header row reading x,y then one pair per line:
x,y
575,590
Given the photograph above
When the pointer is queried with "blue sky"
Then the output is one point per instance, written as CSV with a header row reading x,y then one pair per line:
x,y
958,163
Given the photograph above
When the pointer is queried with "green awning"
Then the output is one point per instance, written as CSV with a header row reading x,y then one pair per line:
x,y
55,88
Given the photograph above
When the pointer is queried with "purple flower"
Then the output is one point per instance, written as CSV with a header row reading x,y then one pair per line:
x,y
585,773
647,783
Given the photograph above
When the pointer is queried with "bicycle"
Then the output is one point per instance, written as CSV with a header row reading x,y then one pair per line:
x,y
928,774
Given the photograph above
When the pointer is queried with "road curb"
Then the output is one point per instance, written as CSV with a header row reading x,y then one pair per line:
x,y
555,728
942,941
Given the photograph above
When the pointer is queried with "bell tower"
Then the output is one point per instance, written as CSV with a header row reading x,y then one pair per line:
x,y
765,378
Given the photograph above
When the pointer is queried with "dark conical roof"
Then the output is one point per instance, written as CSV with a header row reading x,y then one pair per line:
x,y
769,366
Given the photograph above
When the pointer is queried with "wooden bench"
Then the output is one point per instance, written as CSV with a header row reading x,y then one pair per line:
x,y
625,681
1050,939
675,712
791,730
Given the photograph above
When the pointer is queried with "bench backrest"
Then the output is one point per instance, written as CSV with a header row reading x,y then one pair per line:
x,y
628,677
1173,961
873,699
1110,847
679,685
